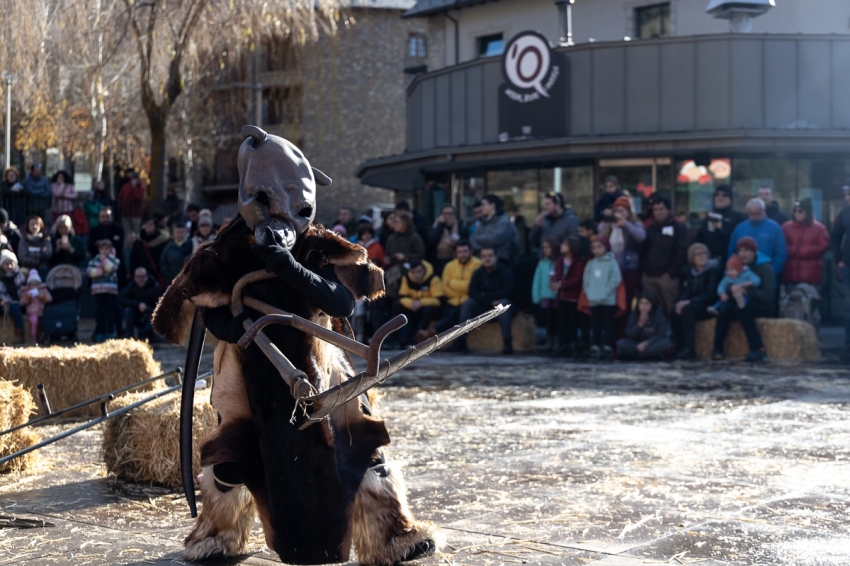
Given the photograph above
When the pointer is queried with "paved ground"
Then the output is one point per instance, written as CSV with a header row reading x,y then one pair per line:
x,y
537,461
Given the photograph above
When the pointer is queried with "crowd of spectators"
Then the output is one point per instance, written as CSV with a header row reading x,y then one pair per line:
x,y
615,285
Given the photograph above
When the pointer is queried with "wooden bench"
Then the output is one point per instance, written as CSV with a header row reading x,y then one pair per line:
x,y
784,339
488,337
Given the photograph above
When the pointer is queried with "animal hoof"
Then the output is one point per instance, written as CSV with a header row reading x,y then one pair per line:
x,y
421,549
206,549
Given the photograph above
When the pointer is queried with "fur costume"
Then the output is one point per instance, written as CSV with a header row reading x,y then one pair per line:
x,y
317,491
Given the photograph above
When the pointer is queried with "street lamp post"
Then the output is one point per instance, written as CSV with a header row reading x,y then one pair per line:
x,y
566,9
10,78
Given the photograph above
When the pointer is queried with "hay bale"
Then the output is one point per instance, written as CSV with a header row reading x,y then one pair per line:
x,y
784,339
76,374
16,407
489,336
143,445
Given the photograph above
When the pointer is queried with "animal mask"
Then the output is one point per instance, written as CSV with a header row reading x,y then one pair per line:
x,y
277,186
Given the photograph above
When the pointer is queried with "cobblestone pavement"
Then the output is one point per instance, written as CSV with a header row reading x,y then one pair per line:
x,y
537,461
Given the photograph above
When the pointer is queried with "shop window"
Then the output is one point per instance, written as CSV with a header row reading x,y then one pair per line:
x,y
416,46
652,21
491,45
695,187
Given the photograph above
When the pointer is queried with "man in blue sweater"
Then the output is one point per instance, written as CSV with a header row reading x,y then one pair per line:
x,y
767,234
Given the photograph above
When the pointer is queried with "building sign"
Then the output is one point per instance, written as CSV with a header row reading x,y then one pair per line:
x,y
533,98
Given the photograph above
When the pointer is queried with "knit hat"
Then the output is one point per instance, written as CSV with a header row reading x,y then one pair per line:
x,y
205,220
604,241
725,189
624,202
747,243
734,262
340,229
805,204
33,276
7,255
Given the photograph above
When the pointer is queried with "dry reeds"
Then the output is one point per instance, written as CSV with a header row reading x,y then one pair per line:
x,y
784,339
143,445
79,373
16,406
488,336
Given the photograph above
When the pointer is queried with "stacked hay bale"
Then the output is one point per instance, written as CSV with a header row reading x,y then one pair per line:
x,y
143,445
73,375
488,336
784,339
16,407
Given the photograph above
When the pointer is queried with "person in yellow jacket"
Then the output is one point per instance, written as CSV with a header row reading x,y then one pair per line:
x,y
456,277
419,299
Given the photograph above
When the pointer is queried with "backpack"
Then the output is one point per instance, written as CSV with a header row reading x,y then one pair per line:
x,y
801,303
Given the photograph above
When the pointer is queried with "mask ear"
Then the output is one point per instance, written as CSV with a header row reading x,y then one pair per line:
x,y
321,178
257,135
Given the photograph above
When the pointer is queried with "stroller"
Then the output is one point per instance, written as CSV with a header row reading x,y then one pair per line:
x,y
62,315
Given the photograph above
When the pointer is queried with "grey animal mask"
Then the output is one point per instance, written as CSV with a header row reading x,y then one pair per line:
x,y
277,186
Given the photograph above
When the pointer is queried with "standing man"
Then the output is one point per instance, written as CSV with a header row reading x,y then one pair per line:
x,y
664,254
557,222
106,229
346,219
491,285
495,230
841,251
717,227
444,236
131,203
771,206
766,232
605,203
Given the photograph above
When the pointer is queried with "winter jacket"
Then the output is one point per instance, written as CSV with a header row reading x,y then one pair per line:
x,y
773,212
665,249
34,251
841,234
112,232
655,328
540,289
765,294
374,250
456,278
35,305
700,288
92,210
155,243
717,241
103,272
133,295
64,195
12,285
198,240
13,236
570,283
807,244
408,243
606,200
498,233
489,286
554,228
634,234
746,276
131,200
37,187
64,256
600,281
428,292
174,255
769,237
7,188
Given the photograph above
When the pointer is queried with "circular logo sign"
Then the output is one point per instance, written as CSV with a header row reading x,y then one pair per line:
x,y
527,61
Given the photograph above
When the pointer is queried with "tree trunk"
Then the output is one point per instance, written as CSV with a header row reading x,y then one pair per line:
x,y
158,124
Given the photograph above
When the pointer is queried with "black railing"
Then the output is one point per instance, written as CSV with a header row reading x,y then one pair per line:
x,y
21,206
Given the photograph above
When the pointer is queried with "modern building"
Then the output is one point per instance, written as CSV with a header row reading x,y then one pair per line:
x,y
660,94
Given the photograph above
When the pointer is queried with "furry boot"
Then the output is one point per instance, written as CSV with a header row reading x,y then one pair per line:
x,y
224,523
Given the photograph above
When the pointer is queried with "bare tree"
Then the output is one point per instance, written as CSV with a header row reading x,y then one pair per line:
x,y
174,37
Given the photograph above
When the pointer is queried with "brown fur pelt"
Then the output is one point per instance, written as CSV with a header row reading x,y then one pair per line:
x,y
383,526
209,276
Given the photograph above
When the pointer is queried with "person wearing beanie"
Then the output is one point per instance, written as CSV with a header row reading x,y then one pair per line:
x,y
556,223
718,225
34,297
767,234
604,204
626,233
206,231
12,282
841,252
664,254
807,241
736,274
600,282
747,302
9,231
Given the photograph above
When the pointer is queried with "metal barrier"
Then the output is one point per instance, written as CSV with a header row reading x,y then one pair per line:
x,y
47,414
21,206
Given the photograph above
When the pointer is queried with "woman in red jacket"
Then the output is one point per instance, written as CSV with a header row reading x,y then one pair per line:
x,y
807,241
566,282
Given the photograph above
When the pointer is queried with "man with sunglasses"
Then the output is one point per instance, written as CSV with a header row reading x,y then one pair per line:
x,y
841,250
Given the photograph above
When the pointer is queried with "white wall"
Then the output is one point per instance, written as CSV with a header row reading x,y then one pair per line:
x,y
612,20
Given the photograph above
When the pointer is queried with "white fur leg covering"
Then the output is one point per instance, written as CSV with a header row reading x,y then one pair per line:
x,y
224,523
383,527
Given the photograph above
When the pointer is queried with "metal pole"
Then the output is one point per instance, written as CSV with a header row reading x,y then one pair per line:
x,y
8,120
570,22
